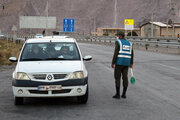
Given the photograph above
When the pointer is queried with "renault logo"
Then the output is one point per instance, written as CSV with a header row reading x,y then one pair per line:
x,y
49,77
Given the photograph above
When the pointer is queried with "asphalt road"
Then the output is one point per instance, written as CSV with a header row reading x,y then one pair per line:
x,y
155,96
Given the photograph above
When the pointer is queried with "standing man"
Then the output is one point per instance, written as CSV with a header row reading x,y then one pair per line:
x,y
43,32
122,60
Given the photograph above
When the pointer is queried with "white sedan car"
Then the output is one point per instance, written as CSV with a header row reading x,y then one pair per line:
x,y
38,36
2,35
50,67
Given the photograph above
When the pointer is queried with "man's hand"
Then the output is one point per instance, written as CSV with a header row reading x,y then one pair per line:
x,y
112,65
131,66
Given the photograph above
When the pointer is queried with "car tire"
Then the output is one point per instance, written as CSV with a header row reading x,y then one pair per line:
x,y
18,100
83,99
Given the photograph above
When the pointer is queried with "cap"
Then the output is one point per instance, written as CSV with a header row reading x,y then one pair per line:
x,y
120,33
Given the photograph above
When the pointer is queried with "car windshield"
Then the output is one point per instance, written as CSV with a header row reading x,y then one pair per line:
x,y
50,51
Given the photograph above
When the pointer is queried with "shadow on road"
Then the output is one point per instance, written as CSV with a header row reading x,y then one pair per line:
x,y
65,101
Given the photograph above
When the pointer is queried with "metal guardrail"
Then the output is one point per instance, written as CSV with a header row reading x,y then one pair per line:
x,y
18,39
139,41
157,42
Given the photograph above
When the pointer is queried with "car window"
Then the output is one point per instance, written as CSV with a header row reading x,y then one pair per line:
x,y
50,51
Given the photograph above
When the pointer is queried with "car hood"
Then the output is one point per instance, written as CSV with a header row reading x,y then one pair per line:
x,y
49,66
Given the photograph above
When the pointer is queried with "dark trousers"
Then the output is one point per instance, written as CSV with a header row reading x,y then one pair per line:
x,y
121,70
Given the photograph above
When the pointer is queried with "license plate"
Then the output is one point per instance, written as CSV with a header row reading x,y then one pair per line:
x,y
50,87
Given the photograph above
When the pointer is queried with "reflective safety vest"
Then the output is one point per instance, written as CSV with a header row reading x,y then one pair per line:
x,y
124,56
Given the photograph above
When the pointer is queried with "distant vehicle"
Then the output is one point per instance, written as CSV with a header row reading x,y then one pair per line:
x,y
61,33
38,36
2,35
50,67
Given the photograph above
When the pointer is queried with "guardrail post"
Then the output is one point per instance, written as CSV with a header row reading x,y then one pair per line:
x,y
146,46
167,48
157,46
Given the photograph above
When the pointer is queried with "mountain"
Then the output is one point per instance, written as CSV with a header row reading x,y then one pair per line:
x,y
90,14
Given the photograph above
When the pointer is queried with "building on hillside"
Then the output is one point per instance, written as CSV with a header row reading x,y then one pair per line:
x,y
113,31
94,34
160,30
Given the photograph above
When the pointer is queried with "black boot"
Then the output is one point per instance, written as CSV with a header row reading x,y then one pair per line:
x,y
124,92
117,95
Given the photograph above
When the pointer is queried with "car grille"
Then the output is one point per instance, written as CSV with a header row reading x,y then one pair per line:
x,y
39,76
61,91
53,91
59,76
38,92
43,76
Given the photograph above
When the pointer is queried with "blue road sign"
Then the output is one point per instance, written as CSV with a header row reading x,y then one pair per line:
x,y
68,25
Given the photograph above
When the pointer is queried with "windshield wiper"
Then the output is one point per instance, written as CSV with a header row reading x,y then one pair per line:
x,y
32,59
55,59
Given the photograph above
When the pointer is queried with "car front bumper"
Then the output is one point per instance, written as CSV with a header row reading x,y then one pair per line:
x,y
28,88
34,92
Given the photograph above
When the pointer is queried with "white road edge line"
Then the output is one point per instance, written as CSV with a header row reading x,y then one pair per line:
x,y
168,66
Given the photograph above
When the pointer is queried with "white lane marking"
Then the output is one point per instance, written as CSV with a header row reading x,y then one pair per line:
x,y
175,68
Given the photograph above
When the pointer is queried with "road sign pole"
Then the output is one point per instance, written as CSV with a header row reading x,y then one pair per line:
x,y
167,29
14,29
125,33
152,26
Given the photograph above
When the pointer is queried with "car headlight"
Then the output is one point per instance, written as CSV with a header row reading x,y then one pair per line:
x,y
21,76
77,75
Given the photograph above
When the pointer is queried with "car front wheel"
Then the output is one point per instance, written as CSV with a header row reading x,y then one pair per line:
x,y
18,100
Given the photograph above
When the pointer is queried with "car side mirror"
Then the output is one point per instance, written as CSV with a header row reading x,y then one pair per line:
x,y
87,58
13,59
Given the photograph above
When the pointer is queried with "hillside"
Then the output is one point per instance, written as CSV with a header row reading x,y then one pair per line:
x,y
88,13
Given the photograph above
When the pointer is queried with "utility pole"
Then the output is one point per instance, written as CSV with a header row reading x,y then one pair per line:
x,y
47,15
167,31
94,24
2,5
152,25
172,6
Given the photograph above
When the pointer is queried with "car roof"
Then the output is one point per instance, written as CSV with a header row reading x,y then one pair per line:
x,y
50,39
56,37
38,34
